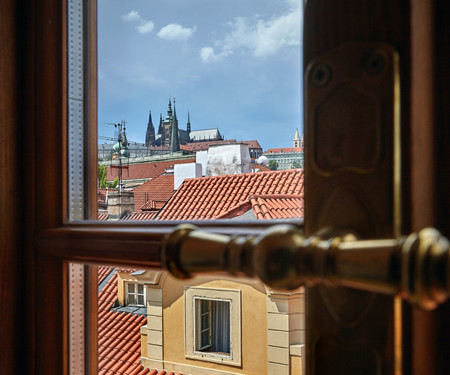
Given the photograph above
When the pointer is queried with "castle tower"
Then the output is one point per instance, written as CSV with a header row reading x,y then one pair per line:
x,y
297,140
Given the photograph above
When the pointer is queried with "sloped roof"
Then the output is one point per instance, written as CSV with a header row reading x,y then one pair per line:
x,y
158,190
102,216
283,206
252,144
212,197
283,150
119,345
146,170
205,134
142,215
203,146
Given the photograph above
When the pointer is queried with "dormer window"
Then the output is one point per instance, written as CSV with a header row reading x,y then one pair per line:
x,y
135,294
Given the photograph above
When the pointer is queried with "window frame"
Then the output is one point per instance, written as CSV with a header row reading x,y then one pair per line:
x,y
232,296
49,243
199,346
135,294
52,241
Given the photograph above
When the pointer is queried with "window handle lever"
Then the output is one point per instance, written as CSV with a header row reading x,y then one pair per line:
x,y
416,267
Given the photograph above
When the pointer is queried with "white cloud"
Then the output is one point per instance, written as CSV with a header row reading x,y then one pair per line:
x,y
174,31
259,37
144,26
208,55
132,16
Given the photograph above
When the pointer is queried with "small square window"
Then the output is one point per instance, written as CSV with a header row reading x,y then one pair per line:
x,y
135,294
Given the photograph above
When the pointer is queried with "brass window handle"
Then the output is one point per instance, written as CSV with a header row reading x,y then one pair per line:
x,y
416,267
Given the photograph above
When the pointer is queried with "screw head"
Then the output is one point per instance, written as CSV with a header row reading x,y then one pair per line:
x,y
375,63
321,74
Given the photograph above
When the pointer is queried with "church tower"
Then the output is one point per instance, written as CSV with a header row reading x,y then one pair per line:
x,y
297,142
150,133
188,126
174,140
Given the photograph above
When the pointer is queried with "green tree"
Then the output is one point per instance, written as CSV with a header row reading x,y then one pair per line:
x,y
273,165
297,164
102,182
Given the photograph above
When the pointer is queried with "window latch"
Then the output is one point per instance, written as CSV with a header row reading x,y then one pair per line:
x,y
415,267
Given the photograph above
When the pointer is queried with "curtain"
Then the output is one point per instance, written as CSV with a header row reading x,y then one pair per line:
x,y
220,316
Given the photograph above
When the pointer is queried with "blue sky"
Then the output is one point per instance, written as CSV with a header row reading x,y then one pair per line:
x,y
234,64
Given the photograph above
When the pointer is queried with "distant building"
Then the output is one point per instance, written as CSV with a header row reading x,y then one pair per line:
x,y
287,157
169,136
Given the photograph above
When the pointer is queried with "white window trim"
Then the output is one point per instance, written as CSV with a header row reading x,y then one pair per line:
x,y
196,329
233,296
136,294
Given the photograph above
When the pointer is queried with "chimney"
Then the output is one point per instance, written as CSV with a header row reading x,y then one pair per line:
x,y
120,203
228,159
201,157
183,171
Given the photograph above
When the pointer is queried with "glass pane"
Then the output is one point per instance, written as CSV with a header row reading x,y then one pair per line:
x,y
131,288
193,92
131,299
225,77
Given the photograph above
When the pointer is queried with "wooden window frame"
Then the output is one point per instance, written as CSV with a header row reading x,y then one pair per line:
x,y
56,242
39,239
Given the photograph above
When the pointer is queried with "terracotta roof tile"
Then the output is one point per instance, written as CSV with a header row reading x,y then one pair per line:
x,y
102,216
146,170
119,346
214,197
158,190
143,215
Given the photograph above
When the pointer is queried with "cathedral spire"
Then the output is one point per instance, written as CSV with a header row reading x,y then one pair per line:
x,y
150,133
188,126
169,110
174,141
160,127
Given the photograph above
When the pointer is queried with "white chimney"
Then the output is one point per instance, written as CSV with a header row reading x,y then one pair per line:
x,y
228,159
183,171
201,157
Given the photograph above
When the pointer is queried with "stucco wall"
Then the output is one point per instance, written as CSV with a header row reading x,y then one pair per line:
x,y
253,323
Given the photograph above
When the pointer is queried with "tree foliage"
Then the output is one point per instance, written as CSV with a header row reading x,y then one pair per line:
x,y
297,164
102,182
273,165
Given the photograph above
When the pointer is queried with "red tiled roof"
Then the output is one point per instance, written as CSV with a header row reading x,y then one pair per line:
x,y
102,272
102,216
285,149
119,336
275,206
158,190
203,146
252,144
146,170
212,197
119,346
143,215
